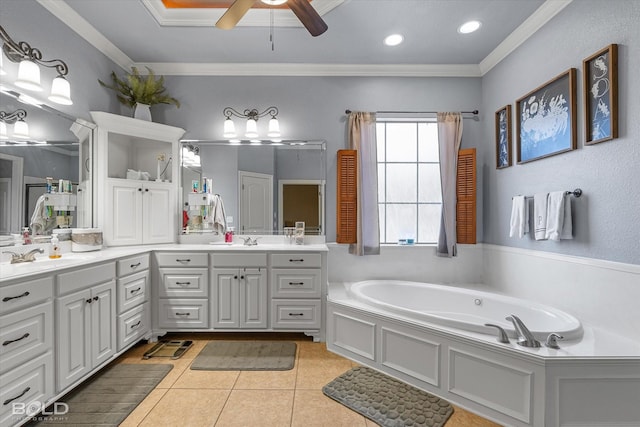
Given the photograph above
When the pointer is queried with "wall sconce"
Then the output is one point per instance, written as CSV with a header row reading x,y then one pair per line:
x,y
190,155
29,71
20,127
251,129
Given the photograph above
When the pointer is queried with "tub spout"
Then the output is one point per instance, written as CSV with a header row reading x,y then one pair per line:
x,y
525,337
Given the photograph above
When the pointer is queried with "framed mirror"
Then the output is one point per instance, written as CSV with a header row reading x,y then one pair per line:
x,y
57,146
263,188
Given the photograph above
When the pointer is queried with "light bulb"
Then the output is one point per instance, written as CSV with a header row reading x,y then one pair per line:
x,y
29,76
3,131
229,129
60,91
21,129
274,128
252,129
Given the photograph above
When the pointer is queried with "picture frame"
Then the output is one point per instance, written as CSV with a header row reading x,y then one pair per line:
x,y
504,138
546,119
600,76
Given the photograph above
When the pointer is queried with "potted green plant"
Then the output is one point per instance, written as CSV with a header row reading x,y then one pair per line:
x,y
140,92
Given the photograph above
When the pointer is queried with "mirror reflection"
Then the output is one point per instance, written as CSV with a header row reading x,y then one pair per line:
x,y
251,188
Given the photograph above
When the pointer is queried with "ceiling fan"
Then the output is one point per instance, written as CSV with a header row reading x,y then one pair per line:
x,y
301,8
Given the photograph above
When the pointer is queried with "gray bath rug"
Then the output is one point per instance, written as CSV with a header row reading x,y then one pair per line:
x,y
110,396
386,401
246,356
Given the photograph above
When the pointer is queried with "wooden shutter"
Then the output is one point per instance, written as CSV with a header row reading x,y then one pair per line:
x,y
466,196
346,208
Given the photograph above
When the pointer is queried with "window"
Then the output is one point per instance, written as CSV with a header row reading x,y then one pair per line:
x,y
409,192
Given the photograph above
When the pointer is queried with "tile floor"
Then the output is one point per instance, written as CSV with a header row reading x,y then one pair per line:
x,y
253,398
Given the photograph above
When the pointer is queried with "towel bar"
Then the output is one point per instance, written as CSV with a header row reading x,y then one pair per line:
x,y
575,193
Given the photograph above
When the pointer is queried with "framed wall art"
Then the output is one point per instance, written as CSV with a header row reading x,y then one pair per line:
x,y
503,137
546,119
600,72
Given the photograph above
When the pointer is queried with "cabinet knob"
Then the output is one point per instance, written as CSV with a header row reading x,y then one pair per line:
x,y
96,298
89,300
139,189
235,277
241,277
146,189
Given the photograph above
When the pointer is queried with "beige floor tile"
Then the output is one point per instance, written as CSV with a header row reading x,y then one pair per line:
x,y
315,374
144,408
315,351
222,380
462,418
311,408
192,408
264,380
264,408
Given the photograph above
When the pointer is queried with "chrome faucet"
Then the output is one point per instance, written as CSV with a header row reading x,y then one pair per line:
x,y
525,337
248,241
30,256
552,340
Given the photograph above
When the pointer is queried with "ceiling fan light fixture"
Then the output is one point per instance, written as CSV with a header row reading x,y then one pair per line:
x,y
274,2
393,39
469,27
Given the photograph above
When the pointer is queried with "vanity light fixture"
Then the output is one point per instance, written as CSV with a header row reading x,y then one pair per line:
x,y
251,127
29,59
20,127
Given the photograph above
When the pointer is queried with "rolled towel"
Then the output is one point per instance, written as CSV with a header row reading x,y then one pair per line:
x,y
540,215
567,225
519,225
555,215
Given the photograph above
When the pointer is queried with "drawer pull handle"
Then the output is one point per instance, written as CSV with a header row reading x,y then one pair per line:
x,y
136,324
296,283
297,260
296,314
26,294
16,340
6,402
135,265
133,291
183,260
183,314
183,283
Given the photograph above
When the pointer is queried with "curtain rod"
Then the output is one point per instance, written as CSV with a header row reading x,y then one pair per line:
x,y
474,112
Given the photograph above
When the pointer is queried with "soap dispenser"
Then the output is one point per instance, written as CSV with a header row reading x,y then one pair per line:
x,y
54,249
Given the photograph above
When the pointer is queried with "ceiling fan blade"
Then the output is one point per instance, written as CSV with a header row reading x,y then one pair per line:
x,y
234,14
308,16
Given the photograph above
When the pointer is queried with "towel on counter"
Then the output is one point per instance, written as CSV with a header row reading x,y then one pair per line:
x,y
540,215
519,217
558,209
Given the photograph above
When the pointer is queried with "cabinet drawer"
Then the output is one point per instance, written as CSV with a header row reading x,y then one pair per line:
x,y
132,264
30,383
25,334
295,314
184,282
295,283
183,313
182,259
133,325
300,259
20,295
132,291
239,259
85,277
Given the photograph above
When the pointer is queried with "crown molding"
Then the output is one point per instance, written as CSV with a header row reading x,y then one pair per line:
x,y
541,16
206,17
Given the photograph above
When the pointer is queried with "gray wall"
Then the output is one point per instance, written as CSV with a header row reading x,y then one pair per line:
x,y
606,217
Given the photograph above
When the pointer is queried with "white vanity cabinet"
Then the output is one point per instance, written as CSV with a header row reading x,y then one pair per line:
x,y
85,321
239,291
26,353
132,290
129,208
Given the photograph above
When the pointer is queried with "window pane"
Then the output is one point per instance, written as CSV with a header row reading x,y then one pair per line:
x,y
401,222
429,189
381,220
429,223
402,182
381,183
402,142
428,142
380,140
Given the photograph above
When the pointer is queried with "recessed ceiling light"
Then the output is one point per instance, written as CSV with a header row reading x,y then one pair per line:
x,y
469,27
393,39
274,2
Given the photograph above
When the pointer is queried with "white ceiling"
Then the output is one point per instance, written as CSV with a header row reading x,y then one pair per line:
x,y
130,33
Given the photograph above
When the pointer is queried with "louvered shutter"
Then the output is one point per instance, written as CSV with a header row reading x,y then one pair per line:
x,y
347,184
466,196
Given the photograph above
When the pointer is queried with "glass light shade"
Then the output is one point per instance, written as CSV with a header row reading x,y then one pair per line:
x,y
21,129
252,129
2,71
29,76
60,91
3,131
274,128
229,129
274,2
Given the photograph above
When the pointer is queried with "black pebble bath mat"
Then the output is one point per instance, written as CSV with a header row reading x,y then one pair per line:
x,y
246,356
387,401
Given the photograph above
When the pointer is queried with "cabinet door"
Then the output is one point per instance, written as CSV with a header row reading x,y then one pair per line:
x,y
73,338
253,298
124,226
103,322
158,214
225,303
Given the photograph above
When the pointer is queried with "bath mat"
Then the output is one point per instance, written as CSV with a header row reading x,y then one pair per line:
x,y
110,396
387,401
246,356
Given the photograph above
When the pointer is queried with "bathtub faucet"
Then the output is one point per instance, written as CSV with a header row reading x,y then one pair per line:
x,y
525,337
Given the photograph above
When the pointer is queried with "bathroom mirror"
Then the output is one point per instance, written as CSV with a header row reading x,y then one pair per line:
x,y
263,187
58,146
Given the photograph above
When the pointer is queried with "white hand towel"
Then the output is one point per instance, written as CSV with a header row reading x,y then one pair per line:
x,y
567,225
519,217
555,215
540,215
219,215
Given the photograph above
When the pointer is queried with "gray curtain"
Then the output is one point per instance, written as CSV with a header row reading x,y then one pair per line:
x,y
362,137
449,138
